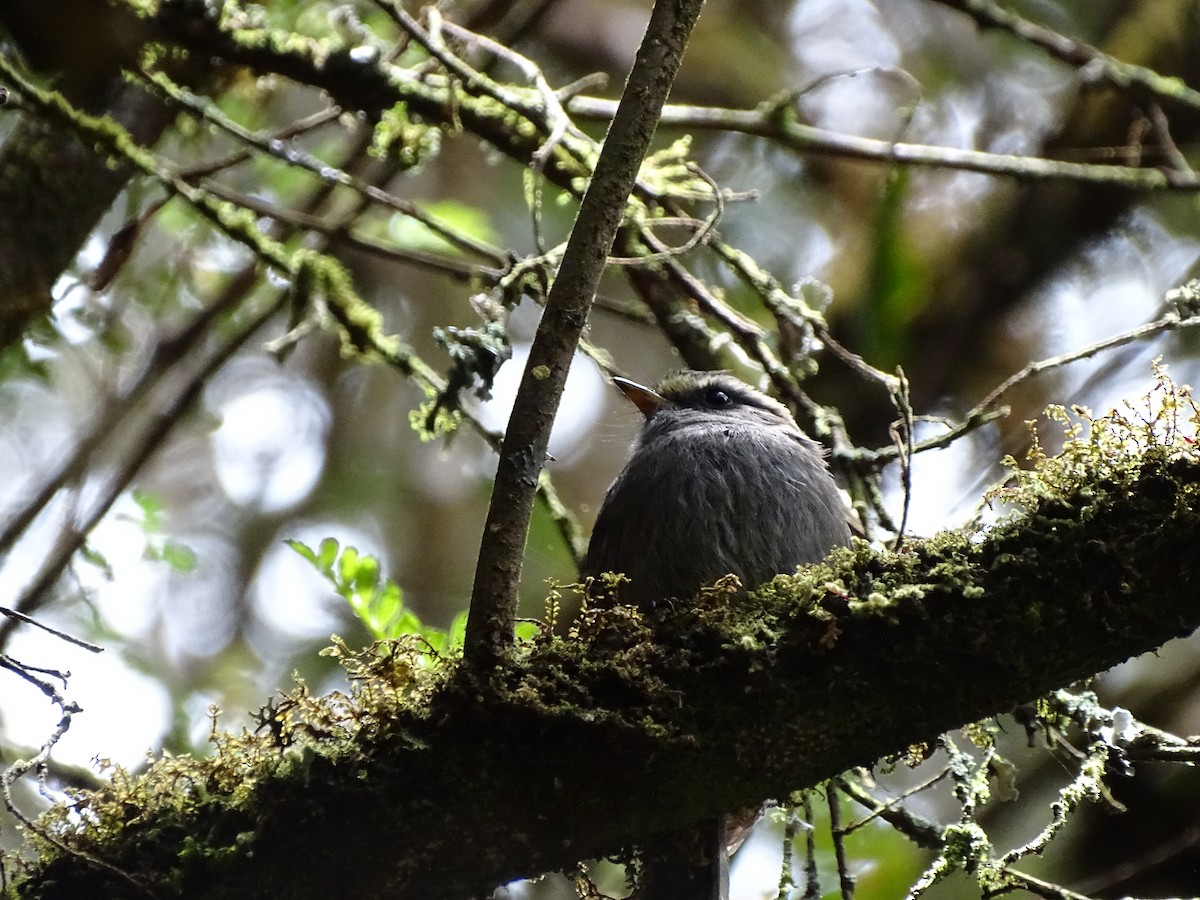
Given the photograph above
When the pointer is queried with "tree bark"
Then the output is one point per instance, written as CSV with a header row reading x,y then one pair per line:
x,y
636,726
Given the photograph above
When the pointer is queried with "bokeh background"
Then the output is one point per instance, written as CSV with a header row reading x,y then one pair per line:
x,y
959,278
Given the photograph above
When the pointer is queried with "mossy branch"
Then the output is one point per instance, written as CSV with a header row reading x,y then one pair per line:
x,y
632,725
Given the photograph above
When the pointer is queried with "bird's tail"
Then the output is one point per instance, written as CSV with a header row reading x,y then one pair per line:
x,y
687,865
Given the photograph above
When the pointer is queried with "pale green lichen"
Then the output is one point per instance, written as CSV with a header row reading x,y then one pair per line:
x,y
398,137
1164,424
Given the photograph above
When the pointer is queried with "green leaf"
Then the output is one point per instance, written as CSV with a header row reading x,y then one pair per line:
x,y
458,629
407,623
385,610
151,506
365,578
376,601
304,550
347,567
93,556
179,557
526,631
329,552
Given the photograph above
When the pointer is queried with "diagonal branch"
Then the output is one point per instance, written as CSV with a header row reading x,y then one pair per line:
x,y
522,456
1097,64
628,716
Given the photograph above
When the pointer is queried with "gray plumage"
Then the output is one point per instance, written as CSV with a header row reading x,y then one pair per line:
x,y
721,480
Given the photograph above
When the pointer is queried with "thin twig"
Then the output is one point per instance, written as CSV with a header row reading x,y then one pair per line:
x,y
291,154
560,122
21,767
787,879
778,122
845,879
1095,64
921,831
701,231
1178,163
553,117
1023,881
338,233
902,439
239,156
471,79
812,878
988,409
70,639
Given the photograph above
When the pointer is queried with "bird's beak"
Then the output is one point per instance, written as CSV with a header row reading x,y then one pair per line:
x,y
648,401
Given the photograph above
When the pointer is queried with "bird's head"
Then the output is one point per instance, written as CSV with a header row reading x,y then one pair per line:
x,y
688,397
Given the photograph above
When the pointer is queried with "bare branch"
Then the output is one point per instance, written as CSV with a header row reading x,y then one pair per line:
x,y
1096,65
522,456
776,120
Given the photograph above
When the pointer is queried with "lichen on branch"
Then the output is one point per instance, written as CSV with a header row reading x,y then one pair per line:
x,y
848,661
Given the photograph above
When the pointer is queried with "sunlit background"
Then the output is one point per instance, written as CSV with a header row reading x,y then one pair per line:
x,y
959,278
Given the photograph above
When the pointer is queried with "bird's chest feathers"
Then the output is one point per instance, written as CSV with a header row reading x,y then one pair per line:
x,y
725,471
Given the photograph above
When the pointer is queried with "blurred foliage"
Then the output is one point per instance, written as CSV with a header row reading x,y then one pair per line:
x,y
158,545
378,602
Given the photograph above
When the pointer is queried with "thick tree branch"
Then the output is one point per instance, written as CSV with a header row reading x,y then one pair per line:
x,y
53,190
373,87
554,756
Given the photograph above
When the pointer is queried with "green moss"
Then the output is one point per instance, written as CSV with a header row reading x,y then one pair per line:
x,y
831,658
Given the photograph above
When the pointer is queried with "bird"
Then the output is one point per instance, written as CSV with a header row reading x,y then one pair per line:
x,y
720,481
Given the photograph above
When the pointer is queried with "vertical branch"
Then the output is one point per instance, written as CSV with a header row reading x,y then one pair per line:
x,y
845,879
522,456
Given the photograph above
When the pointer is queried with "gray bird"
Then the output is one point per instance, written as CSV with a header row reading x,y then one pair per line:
x,y
720,481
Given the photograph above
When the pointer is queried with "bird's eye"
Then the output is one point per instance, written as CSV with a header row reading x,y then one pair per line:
x,y
716,397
